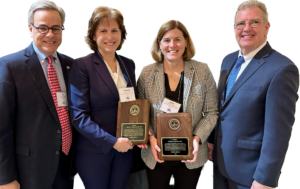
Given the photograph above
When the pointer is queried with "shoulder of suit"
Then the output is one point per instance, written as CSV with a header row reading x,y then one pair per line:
x,y
197,64
278,58
232,55
85,58
125,58
149,70
65,55
17,57
151,67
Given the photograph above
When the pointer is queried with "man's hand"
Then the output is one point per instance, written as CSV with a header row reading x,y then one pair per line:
x,y
155,148
257,185
210,151
13,185
195,151
122,145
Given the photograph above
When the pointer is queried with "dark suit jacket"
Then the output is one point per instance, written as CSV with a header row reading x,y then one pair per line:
x,y
94,101
29,123
256,118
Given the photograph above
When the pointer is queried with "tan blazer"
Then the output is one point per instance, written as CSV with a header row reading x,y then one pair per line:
x,y
199,99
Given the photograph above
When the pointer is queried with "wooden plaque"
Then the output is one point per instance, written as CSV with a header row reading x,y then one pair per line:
x,y
133,121
174,136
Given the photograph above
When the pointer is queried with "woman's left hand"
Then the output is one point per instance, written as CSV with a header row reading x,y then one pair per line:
x,y
195,151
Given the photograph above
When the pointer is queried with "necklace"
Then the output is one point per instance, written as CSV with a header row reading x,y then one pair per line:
x,y
173,78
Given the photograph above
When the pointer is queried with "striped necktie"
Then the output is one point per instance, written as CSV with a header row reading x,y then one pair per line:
x,y
233,74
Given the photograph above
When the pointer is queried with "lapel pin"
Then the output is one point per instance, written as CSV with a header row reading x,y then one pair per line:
x,y
68,67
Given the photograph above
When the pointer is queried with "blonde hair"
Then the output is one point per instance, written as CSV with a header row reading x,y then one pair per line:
x,y
172,24
100,15
254,3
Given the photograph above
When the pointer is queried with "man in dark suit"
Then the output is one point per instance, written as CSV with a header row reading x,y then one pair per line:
x,y
35,131
257,96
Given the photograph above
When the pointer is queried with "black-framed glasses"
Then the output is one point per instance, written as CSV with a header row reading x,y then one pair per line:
x,y
45,29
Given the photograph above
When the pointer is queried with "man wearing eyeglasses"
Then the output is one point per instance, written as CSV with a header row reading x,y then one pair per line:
x,y
35,133
257,97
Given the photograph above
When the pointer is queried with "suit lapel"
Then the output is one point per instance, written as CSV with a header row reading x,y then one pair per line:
x,y
124,70
256,62
187,81
228,66
37,73
103,72
66,68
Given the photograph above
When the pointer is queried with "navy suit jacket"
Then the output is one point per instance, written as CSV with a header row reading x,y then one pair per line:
x,y
256,118
29,125
94,101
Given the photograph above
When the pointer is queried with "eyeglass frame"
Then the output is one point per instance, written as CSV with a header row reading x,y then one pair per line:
x,y
38,28
250,24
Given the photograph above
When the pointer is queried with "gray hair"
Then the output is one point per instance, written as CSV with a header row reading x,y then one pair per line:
x,y
254,3
45,5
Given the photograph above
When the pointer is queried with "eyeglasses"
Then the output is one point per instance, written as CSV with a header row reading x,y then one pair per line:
x,y
242,25
45,29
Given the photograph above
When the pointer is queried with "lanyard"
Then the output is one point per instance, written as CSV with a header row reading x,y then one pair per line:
x,y
180,87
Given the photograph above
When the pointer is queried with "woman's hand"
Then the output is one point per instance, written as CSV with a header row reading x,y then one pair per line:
x,y
195,151
155,148
123,145
12,185
142,145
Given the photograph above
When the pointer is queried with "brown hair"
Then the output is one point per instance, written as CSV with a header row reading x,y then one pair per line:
x,y
100,15
172,24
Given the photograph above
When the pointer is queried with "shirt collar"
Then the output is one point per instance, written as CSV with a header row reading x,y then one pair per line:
x,y
250,55
41,55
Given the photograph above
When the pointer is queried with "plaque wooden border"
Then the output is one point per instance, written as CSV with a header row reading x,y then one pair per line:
x,y
163,130
126,116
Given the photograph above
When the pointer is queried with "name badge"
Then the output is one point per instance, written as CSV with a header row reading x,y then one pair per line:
x,y
170,106
61,99
127,94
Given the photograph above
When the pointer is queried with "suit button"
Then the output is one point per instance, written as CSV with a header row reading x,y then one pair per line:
x,y
221,118
57,152
58,131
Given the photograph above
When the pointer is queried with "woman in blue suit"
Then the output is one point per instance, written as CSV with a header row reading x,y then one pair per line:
x,y
102,160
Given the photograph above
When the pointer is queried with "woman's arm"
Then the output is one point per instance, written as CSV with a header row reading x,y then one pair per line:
x,y
210,108
80,108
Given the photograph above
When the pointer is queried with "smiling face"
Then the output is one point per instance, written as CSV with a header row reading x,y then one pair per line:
x,y
250,38
173,45
108,37
49,42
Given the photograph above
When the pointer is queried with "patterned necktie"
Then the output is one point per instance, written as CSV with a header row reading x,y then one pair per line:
x,y
61,111
233,74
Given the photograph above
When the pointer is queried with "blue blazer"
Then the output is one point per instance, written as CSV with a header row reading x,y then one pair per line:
x,y
256,118
29,125
94,101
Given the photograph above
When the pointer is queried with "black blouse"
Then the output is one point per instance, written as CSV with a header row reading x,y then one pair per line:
x,y
177,95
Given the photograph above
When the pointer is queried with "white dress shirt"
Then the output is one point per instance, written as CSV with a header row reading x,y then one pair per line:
x,y
117,77
56,64
248,57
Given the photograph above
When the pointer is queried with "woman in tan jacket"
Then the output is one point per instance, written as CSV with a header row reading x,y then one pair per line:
x,y
188,82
